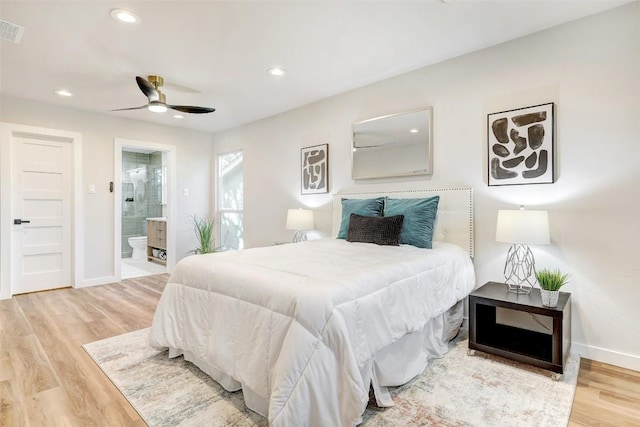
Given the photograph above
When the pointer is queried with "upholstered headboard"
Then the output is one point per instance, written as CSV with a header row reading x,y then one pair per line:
x,y
454,221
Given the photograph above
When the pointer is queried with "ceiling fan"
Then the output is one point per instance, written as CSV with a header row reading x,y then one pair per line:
x,y
157,101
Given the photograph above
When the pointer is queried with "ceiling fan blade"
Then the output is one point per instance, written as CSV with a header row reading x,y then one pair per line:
x,y
132,108
191,109
148,89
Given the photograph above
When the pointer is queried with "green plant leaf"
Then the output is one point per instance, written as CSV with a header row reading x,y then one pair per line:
x,y
204,229
551,280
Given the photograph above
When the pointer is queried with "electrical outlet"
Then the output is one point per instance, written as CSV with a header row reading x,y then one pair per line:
x,y
185,192
92,189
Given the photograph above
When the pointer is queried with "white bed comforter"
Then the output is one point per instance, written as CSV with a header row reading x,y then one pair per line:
x,y
297,326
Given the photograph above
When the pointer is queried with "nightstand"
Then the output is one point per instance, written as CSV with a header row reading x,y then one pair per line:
x,y
547,350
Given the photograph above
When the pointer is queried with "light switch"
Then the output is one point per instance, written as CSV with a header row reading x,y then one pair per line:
x,y
185,192
92,189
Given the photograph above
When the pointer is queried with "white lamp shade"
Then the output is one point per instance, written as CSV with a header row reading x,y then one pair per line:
x,y
300,219
523,227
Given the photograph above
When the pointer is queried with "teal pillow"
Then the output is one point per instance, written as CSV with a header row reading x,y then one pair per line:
x,y
364,207
419,219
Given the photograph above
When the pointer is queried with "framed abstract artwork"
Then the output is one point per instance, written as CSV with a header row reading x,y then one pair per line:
x,y
521,146
315,169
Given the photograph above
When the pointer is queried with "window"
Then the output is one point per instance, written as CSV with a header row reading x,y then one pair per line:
x,y
230,197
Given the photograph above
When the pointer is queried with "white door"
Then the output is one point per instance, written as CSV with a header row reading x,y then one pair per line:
x,y
41,213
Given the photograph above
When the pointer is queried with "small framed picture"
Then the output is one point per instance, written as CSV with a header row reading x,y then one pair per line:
x,y
315,169
521,146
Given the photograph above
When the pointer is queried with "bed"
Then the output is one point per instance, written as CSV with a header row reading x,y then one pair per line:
x,y
305,330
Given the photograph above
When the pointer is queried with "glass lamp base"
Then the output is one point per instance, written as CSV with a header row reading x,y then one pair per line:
x,y
520,269
522,288
299,236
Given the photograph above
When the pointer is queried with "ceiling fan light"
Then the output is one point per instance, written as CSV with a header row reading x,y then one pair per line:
x,y
157,107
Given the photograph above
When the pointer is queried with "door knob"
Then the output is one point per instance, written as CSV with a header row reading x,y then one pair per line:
x,y
21,221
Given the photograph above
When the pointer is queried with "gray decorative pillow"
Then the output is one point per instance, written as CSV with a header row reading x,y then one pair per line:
x,y
375,229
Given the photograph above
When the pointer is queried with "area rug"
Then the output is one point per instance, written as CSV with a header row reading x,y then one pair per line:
x,y
457,390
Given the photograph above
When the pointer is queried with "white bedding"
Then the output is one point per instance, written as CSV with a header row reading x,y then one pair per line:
x,y
302,328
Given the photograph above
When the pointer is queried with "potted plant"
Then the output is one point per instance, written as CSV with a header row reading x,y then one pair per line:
x,y
550,283
204,228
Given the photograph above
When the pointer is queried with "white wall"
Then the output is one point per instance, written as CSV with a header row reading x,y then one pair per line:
x,y
591,69
193,152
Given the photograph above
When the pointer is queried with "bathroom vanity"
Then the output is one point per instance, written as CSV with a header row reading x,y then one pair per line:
x,y
157,240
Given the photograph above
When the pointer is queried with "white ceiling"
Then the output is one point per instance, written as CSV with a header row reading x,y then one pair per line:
x,y
216,53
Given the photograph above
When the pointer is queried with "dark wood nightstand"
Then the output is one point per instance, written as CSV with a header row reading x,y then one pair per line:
x,y
544,350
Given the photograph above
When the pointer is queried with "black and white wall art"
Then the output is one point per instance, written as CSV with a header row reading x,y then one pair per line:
x,y
315,169
521,146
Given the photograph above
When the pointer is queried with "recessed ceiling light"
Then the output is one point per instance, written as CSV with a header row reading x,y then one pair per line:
x,y
414,130
125,16
276,71
178,116
63,92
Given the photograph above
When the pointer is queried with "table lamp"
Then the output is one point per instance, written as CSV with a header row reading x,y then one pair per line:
x,y
300,220
521,228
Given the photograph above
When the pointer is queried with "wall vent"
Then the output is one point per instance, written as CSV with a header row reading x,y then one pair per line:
x,y
10,32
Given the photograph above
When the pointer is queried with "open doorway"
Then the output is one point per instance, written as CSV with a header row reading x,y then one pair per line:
x,y
144,187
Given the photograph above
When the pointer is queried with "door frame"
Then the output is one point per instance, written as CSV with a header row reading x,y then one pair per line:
x,y
7,132
119,145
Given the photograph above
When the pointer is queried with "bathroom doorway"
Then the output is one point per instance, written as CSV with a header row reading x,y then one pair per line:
x,y
144,184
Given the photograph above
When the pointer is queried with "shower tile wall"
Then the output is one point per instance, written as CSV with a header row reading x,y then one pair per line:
x,y
141,194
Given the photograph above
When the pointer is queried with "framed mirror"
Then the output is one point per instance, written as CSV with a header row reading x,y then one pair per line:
x,y
393,145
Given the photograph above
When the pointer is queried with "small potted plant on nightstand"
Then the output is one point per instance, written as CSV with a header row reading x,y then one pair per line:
x,y
550,283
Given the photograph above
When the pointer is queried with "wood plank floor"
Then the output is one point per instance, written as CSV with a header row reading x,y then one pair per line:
x,y
46,378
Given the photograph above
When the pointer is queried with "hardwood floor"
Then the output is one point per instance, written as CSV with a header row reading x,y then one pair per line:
x,y
606,395
46,378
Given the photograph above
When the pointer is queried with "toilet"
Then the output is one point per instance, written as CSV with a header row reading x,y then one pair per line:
x,y
139,245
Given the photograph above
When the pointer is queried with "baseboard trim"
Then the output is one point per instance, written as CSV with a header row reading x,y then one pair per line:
x,y
97,281
611,357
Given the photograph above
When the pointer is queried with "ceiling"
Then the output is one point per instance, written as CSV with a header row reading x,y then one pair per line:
x,y
216,54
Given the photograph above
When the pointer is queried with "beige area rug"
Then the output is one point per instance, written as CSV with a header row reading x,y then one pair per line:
x,y
457,390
